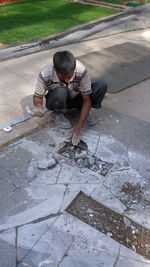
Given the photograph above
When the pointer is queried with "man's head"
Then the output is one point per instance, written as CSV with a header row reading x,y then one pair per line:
x,y
64,63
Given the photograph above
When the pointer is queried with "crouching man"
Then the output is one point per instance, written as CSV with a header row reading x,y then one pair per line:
x,y
66,85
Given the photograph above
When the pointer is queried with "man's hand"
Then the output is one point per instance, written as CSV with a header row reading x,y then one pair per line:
x,y
76,137
38,102
38,110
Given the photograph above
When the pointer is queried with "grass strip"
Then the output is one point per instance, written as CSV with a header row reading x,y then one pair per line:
x,y
33,19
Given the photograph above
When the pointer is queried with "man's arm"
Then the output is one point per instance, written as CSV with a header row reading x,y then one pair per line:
x,y
86,106
38,95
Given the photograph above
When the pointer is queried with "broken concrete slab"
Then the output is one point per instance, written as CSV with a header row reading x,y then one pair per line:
x,y
72,190
86,236
90,247
128,262
46,177
133,192
8,248
76,256
110,150
30,234
79,176
129,131
16,165
6,190
104,196
126,253
32,200
50,249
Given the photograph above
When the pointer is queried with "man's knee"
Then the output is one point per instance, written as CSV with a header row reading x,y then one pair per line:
x,y
99,90
99,86
56,99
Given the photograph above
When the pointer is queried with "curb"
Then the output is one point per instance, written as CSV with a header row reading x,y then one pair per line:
x,y
99,3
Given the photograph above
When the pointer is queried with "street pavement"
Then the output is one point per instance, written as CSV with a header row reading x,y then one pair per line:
x,y
37,183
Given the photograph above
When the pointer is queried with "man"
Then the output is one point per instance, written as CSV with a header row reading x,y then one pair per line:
x,y
66,85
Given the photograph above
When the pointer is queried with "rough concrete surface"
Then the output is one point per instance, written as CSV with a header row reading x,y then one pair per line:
x,y
41,174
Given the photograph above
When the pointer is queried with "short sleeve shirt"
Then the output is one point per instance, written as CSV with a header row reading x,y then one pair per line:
x,y
48,80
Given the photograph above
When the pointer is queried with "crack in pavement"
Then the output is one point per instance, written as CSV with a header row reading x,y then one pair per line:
x,y
20,261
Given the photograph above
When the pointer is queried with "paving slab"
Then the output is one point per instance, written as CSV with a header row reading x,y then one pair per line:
x,y
133,192
127,262
8,249
49,250
131,132
31,234
108,198
31,201
120,65
133,101
89,247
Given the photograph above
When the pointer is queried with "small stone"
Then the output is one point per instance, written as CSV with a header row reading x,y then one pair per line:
x,y
91,160
127,222
109,234
51,141
46,164
125,199
70,162
133,247
82,170
104,172
100,166
82,155
80,163
132,227
61,145
86,163
134,201
93,168
91,215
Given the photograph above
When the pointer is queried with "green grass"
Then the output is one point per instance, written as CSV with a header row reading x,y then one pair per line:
x,y
32,19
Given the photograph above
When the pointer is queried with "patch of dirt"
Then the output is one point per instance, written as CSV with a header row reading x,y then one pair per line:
x,y
114,225
134,194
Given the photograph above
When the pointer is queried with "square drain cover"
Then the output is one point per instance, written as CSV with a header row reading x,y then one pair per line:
x,y
114,225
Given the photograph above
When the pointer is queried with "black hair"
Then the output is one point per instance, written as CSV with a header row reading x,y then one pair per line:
x,y
64,62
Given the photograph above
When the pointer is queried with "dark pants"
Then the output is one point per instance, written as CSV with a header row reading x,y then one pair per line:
x,y
59,100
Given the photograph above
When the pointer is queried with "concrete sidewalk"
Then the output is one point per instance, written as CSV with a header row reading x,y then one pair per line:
x,y
37,183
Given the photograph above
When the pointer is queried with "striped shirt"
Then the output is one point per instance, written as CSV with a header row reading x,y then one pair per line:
x,y
48,80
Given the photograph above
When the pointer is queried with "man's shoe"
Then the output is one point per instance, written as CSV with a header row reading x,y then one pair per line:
x,y
61,120
90,120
